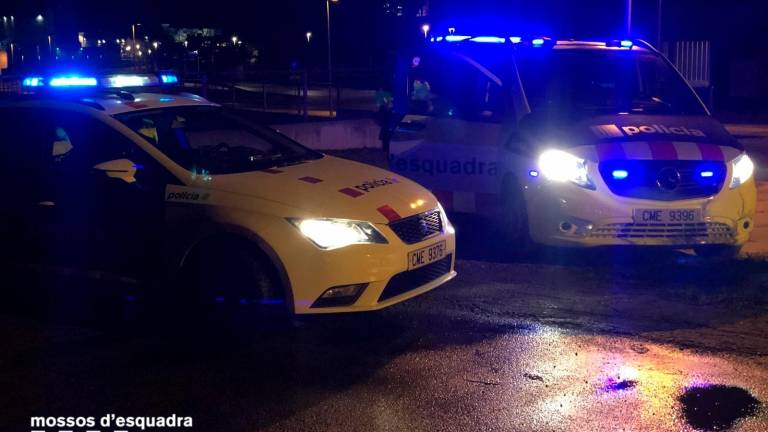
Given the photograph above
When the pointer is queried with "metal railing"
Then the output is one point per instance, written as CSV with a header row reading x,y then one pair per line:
x,y
692,59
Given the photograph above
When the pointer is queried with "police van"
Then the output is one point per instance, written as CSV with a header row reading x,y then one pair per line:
x,y
126,175
570,143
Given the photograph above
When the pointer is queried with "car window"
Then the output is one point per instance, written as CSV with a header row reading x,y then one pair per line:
x,y
208,140
582,82
80,141
22,152
455,86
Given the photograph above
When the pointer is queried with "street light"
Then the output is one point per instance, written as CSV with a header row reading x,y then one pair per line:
x,y
425,29
309,36
133,35
234,40
39,18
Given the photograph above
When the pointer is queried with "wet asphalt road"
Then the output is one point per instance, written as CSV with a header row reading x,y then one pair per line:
x,y
557,344
604,340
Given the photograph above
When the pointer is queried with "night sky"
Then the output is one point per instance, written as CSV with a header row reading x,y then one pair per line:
x,y
278,27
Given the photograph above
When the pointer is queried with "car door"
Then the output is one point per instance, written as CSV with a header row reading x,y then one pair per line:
x,y
94,218
452,137
21,174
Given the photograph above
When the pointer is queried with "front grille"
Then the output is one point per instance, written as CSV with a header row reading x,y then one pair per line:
x,y
681,232
664,180
412,279
418,227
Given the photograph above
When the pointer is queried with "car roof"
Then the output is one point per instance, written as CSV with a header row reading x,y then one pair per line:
x,y
572,44
114,104
111,103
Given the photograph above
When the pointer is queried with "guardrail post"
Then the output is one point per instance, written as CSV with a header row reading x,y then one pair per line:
x,y
305,96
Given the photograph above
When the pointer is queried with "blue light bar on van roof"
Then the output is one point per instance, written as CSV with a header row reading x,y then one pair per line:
x,y
626,43
515,39
456,38
488,39
537,42
72,81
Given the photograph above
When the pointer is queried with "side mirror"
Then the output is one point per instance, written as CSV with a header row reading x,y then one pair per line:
x,y
123,169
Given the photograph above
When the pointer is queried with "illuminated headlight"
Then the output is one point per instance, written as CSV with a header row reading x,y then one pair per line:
x,y
560,166
337,233
447,226
743,167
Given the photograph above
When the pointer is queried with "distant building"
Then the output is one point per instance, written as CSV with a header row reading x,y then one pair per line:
x,y
398,8
180,35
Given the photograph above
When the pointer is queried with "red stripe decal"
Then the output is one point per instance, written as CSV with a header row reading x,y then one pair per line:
x,y
351,192
389,213
609,151
711,152
663,150
136,105
445,198
309,179
272,171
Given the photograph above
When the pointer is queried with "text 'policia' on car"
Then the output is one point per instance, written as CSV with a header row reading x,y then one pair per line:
x,y
570,143
126,173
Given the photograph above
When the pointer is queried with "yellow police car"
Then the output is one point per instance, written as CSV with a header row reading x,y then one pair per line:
x,y
127,175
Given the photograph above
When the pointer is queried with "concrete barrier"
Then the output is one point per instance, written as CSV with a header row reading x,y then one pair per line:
x,y
334,135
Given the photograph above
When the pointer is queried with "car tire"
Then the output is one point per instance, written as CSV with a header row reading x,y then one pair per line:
x,y
514,216
231,284
723,252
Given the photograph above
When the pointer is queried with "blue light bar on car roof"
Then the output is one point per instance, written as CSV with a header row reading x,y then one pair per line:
x,y
537,42
72,81
626,43
123,80
108,81
488,39
33,82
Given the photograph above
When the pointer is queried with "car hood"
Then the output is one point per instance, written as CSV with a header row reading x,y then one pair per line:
x,y
616,136
334,188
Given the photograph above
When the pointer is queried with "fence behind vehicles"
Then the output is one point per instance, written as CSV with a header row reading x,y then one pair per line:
x,y
693,60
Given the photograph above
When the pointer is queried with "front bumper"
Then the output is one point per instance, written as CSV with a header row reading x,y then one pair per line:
x,y
383,267
563,214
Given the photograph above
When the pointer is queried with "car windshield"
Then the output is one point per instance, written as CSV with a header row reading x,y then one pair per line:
x,y
584,82
209,140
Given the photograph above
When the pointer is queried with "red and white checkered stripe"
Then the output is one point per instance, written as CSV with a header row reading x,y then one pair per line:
x,y
656,150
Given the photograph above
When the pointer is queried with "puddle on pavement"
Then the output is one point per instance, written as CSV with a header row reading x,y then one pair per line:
x,y
618,385
717,407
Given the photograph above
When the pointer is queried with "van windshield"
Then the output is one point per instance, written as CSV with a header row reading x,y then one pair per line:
x,y
577,83
207,139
